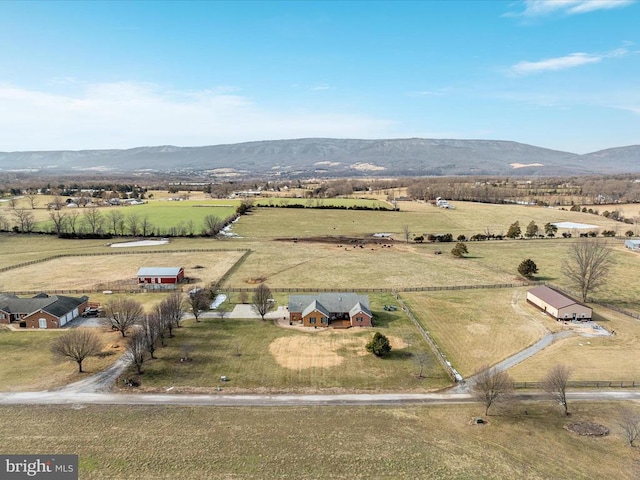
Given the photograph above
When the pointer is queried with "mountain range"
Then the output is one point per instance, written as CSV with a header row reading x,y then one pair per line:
x,y
327,157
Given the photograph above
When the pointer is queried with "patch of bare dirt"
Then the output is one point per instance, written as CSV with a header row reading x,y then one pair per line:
x,y
320,351
588,429
342,240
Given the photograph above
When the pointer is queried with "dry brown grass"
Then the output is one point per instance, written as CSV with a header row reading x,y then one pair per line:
x,y
476,327
109,271
399,442
322,350
28,363
591,358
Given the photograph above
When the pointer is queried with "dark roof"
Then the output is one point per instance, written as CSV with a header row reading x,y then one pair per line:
x,y
64,305
552,297
55,305
332,302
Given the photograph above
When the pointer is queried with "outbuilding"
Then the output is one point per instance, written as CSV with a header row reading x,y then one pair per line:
x,y
160,277
558,305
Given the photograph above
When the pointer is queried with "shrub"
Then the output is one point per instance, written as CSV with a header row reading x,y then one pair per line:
x,y
379,345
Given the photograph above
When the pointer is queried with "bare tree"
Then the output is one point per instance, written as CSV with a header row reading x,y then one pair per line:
x,y
32,198
13,203
116,220
555,384
133,222
72,222
59,220
122,313
149,329
146,227
406,232
4,223
491,386
161,321
93,218
587,265
77,344
260,300
198,302
630,424
58,202
136,350
25,220
172,308
422,361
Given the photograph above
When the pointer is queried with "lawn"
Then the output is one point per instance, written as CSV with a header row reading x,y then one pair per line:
x,y
400,442
28,364
258,355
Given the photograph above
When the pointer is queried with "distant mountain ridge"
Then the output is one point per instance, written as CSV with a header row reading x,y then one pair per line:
x,y
328,157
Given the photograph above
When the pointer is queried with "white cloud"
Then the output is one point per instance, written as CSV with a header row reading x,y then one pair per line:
x,y
554,64
126,114
562,63
539,8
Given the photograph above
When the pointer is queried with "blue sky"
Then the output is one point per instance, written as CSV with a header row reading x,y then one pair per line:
x,y
561,74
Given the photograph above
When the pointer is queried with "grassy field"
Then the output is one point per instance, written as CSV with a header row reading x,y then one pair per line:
x,y
591,358
421,218
259,355
434,442
476,327
28,364
326,202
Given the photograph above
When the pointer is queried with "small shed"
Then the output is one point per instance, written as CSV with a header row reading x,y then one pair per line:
x,y
558,305
160,277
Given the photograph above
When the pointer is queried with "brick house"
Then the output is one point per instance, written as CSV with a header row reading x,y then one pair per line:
x,y
41,311
339,310
157,278
557,305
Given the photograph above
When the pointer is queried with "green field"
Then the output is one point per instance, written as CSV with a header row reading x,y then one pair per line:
x,y
343,442
161,215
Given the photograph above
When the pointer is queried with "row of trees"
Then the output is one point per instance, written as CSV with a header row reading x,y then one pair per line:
x,y
94,222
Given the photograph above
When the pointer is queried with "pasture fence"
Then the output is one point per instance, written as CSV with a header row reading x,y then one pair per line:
x,y
101,254
432,344
382,290
582,384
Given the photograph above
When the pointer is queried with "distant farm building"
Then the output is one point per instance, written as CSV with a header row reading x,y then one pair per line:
x,y
632,244
157,278
339,310
557,305
41,311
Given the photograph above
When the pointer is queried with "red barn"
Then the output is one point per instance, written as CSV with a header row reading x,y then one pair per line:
x,y
160,277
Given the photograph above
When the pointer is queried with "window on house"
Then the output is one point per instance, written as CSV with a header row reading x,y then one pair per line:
x,y
358,319
324,320
312,319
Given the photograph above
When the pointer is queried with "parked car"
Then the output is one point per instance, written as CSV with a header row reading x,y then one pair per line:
x,y
91,312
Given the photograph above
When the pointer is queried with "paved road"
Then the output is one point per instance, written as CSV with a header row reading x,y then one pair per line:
x,y
61,397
